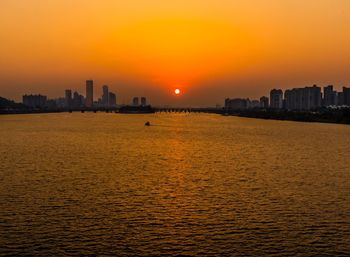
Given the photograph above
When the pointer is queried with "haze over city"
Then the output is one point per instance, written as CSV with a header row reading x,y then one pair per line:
x,y
209,49
174,128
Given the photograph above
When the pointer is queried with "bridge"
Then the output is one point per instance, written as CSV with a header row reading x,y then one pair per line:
x,y
186,110
154,109
165,110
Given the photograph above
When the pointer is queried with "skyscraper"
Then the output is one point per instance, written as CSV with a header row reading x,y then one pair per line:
x,y
307,98
264,102
330,96
340,98
143,101
112,99
105,95
78,100
89,93
276,99
313,97
346,95
68,98
135,101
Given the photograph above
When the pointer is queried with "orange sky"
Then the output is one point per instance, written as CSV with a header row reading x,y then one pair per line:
x,y
211,48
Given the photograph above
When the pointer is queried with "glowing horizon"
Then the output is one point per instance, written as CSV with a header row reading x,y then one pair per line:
x,y
214,49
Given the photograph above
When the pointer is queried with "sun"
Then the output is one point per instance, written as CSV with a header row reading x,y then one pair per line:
x,y
177,91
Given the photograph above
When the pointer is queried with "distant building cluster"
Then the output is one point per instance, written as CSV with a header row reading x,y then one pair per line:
x,y
306,99
241,103
108,99
34,101
75,100
136,102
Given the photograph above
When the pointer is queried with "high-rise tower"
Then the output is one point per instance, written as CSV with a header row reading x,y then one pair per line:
x,y
89,93
105,95
68,98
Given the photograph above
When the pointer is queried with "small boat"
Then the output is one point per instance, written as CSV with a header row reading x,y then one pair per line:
x,y
147,123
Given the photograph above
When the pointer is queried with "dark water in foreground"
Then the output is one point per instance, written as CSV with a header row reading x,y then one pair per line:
x,y
196,185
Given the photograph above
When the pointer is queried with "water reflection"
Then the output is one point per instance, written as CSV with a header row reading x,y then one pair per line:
x,y
189,184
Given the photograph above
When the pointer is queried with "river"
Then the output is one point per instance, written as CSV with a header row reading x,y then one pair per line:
x,y
189,184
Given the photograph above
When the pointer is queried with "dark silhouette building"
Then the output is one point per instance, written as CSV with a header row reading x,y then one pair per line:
x,y
340,98
329,96
346,96
135,101
237,104
89,93
276,99
68,98
112,99
105,95
78,100
307,98
143,101
34,101
264,102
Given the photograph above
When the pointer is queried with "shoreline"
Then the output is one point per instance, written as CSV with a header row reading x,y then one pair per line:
x,y
338,116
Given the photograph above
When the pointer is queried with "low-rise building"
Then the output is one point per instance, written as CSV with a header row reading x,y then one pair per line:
x,y
237,104
264,102
34,101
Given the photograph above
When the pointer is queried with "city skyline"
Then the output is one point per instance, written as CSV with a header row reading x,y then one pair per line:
x,y
211,49
94,93
174,128
296,98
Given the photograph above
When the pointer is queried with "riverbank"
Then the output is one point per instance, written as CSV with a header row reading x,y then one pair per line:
x,y
338,116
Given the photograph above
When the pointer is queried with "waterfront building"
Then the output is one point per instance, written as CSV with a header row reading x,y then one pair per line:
x,y
276,99
313,98
51,104
112,99
34,101
237,104
254,104
227,103
78,100
264,102
289,99
135,101
143,101
68,98
105,95
329,96
307,98
340,98
294,99
60,102
346,96
89,93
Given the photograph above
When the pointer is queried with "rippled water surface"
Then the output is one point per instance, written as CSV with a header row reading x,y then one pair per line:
x,y
190,184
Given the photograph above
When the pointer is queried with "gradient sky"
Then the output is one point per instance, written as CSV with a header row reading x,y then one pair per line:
x,y
212,49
